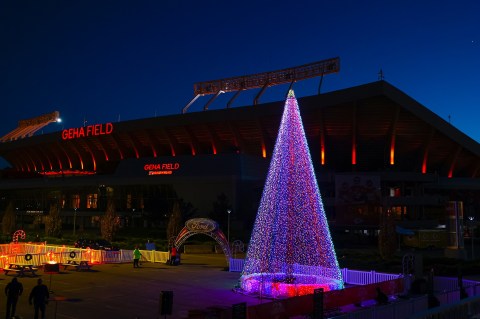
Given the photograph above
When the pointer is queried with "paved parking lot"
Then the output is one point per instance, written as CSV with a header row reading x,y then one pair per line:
x,y
120,291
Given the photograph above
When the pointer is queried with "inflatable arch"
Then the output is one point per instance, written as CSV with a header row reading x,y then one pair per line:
x,y
207,227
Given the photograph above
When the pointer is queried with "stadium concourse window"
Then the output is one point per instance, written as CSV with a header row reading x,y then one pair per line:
x,y
395,192
92,200
75,201
399,211
129,201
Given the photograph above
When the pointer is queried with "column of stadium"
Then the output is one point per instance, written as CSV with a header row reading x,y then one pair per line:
x,y
291,251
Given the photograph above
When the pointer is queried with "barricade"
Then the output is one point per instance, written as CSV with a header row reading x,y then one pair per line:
x,y
465,308
449,283
236,265
303,305
111,256
42,253
358,277
397,310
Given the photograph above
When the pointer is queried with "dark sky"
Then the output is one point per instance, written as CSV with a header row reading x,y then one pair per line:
x,y
108,60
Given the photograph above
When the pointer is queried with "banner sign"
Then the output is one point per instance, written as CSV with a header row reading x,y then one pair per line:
x,y
161,168
203,225
86,131
304,305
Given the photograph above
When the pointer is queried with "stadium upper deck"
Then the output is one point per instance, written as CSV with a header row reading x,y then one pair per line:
x,y
366,128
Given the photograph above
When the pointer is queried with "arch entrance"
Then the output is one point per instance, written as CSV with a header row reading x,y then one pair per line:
x,y
204,226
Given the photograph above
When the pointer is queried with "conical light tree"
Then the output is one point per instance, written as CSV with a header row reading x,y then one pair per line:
x,y
290,250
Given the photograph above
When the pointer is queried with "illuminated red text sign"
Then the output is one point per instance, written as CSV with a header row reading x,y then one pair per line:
x,y
161,168
90,130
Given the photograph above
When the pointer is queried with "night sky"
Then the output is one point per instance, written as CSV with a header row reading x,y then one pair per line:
x,y
105,61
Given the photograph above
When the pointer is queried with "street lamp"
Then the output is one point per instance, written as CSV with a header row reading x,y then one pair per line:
x,y
472,232
228,226
74,220
16,218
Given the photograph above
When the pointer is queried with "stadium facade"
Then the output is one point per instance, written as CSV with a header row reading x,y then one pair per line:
x,y
374,149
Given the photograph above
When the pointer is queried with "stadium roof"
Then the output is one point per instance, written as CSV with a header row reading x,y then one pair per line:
x,y
375,126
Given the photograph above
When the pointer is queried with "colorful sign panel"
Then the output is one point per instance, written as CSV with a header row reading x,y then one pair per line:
x,y
357,189
357,199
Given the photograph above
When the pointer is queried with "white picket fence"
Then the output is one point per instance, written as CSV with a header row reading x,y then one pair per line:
x,y
359,277
236,265
445,284
461,309
353,277
402,309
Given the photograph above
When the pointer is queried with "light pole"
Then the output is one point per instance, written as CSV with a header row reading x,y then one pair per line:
x,y
228,226
472,231
74,220
16,217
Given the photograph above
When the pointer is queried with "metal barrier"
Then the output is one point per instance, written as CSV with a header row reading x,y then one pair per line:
x,y
354,277
42,254
449,283
236,265
397,310
358,277
465,308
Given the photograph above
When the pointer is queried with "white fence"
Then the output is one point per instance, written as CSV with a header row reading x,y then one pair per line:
x,y
236,265
396,310
42,253
353,277
447,291
358,277
443,284
462,309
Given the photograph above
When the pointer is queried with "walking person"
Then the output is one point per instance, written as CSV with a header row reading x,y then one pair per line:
x,y
13,290
39,296
136,257
173,256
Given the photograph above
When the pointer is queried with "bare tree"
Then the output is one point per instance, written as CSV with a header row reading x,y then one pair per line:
x,y
387,237
8,220
109,222
53,221
174,222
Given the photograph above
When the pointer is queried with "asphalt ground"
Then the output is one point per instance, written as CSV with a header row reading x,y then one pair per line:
x,y
121,291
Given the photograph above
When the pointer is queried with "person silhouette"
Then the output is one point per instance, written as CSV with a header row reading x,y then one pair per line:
x,y
173,256
39,296
136,257
381,298
13,290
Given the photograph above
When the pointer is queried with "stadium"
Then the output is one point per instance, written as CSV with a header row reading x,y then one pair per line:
x,y
374,149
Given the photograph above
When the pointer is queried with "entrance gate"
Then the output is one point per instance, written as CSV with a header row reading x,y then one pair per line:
x,y
207,227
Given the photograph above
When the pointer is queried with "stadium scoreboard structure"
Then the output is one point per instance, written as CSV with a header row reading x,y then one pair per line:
x,y
262,80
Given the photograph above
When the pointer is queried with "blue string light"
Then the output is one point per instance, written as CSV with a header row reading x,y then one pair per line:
x,y
290,250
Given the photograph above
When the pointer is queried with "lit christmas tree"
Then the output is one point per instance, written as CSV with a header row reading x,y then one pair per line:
x,y
291,251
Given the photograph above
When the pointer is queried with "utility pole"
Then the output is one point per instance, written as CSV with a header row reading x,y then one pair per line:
x,y
228,226
74,220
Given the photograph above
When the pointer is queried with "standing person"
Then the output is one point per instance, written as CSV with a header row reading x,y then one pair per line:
x,y
39,296
173,255
13,290
136,257
381,298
